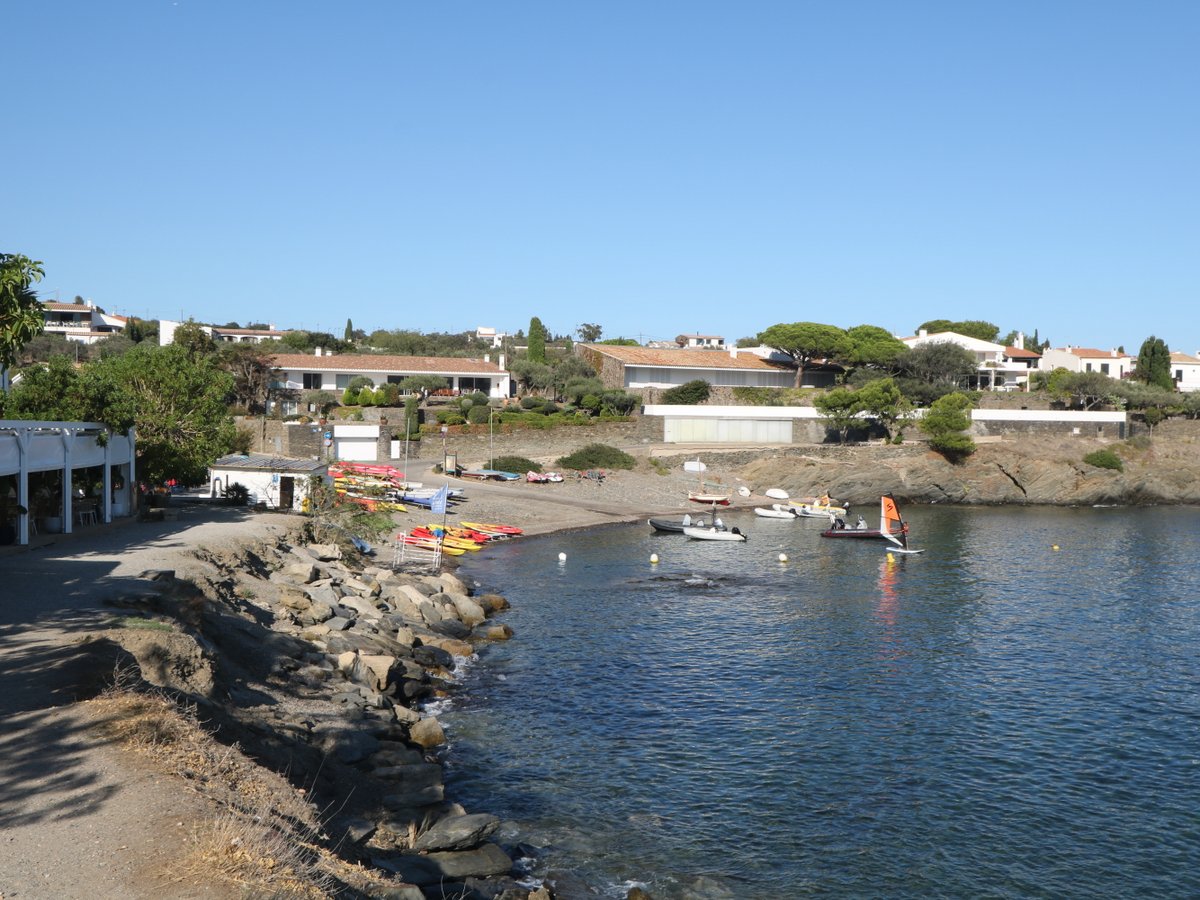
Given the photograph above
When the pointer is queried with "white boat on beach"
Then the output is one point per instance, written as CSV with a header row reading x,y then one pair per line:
x,y
777,511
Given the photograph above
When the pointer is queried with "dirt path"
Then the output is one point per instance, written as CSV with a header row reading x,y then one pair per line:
x,y
80,817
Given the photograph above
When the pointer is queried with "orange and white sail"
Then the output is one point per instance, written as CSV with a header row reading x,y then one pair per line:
x,y
891,525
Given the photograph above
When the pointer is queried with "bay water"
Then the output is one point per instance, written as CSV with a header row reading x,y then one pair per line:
x,y
1014,712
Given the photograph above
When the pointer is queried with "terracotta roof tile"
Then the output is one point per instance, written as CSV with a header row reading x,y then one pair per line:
x,y
1020,353
687,359
350,362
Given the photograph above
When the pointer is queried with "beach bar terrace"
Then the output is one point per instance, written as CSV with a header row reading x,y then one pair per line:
x,y
56,475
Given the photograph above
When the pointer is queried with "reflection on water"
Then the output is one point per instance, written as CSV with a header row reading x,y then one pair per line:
x,y
993,717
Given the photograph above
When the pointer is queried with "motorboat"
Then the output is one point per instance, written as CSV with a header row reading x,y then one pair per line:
x,y
714,534
776,511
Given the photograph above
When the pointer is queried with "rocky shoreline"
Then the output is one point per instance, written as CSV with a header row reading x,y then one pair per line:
x,y
317,660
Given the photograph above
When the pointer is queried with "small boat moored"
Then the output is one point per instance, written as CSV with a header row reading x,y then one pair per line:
x,y
714,534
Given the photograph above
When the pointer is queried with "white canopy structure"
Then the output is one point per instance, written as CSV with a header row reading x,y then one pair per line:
x,y
29,448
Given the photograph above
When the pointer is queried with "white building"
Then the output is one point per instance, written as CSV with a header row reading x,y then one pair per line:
x,y
83,322
700,341
167,327
1113,363
38,458
999,368
333,372
274,481
490,336
1185,371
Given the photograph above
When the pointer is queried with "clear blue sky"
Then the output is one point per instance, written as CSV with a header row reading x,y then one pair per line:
x,y
653,167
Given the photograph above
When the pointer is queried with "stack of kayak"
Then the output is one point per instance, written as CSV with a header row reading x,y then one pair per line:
x,y
383,487
371,486
456,540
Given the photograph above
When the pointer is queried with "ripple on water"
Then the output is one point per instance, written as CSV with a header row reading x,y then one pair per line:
x,y
990,718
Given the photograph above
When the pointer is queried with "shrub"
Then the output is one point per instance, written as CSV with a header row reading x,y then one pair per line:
x,y
515,464
1104,459
597,456
756,396
237,494
452,419
549,408
478,415
350,397
946,423
531,402
358,382
478,398
690,394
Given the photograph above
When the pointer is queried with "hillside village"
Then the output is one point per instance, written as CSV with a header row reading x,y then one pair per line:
x,y
293,401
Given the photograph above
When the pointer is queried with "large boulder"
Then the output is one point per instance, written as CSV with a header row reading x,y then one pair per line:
x,y
433,868
427,733
458,832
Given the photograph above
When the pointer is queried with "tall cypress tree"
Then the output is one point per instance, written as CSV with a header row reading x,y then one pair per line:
x,y
1154,363
537,340
349,336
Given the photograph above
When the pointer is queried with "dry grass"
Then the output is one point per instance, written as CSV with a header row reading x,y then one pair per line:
x,y
263,835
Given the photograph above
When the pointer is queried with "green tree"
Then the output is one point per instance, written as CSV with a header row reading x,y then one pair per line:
x,y
423,384
348,334
589,333
537,341
873,346
942,363
1154,363
174,399
984,331
46,392
805,342
840,407
250,367
192,337
20,312
946,423
1090,389
882,401
530,375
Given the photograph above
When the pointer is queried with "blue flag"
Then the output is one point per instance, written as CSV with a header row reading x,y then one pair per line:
x,y
437,503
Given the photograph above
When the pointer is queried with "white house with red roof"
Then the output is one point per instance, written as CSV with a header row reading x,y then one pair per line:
x,y
1113,363
332,372
83,321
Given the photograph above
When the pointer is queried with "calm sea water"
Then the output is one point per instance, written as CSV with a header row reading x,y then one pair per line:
x,y
994,717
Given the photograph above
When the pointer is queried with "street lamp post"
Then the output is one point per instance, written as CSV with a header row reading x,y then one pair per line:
x,y
491,455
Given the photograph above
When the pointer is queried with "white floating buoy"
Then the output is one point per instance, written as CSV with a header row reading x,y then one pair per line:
x,y
562,557
783,557
654,557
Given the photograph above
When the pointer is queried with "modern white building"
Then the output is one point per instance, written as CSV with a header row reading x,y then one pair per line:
x,y
333,372
999,368
83,322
